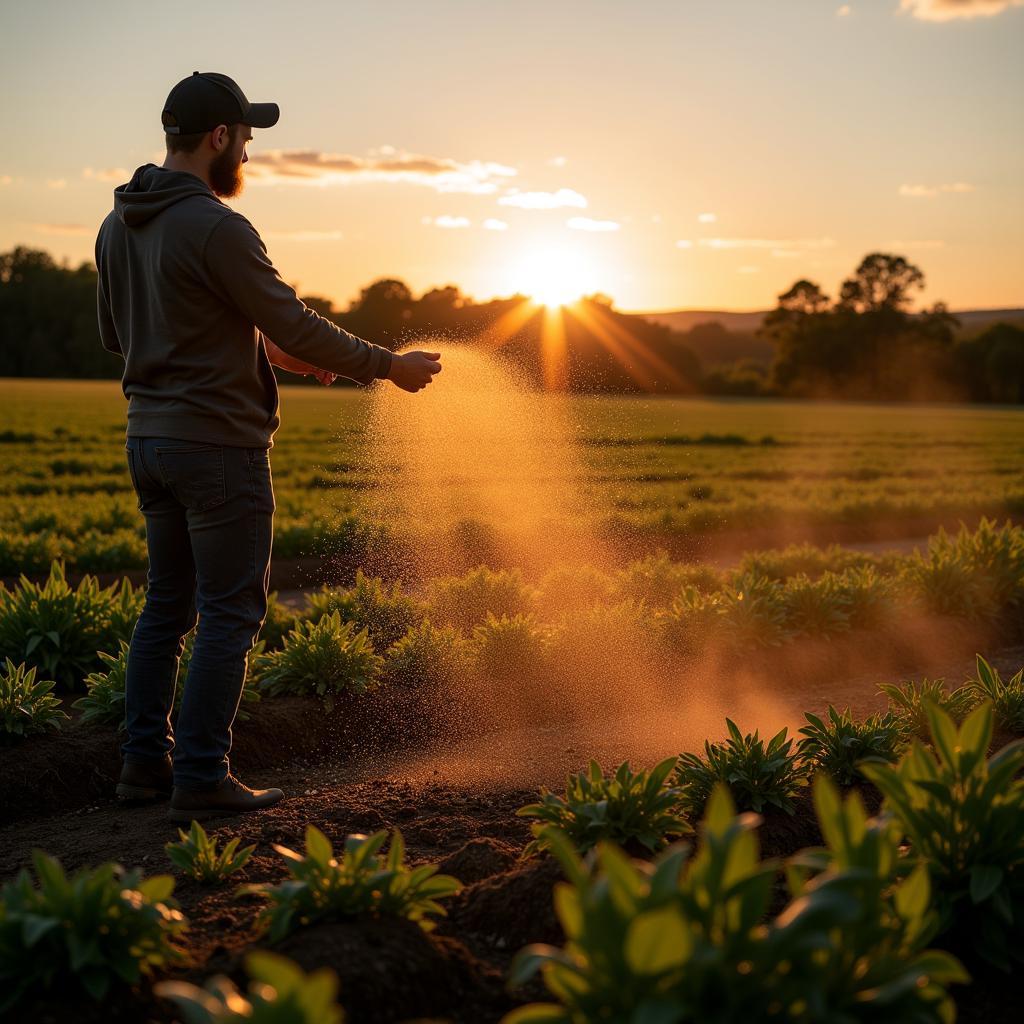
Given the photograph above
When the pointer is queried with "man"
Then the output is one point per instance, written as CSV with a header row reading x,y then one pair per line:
x,y
188,296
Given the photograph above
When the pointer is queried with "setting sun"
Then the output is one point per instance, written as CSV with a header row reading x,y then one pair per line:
x,y
553,275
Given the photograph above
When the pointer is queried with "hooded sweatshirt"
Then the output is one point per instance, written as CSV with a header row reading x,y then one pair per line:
x,y
187,294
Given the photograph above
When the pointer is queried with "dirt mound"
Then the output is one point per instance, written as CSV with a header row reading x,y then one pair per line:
x,y
510,910
479,859
391,970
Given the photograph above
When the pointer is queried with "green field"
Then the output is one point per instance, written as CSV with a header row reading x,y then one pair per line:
x,y
649,468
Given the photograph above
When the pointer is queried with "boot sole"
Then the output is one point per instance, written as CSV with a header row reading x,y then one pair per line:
x,y
140,794
205,814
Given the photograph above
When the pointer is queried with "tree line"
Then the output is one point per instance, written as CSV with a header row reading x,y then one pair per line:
x,y
863,345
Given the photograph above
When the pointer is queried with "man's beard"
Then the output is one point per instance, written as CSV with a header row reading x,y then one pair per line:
x,y
226,175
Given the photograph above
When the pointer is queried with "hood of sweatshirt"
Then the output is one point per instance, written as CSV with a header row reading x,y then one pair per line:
x,y
152,190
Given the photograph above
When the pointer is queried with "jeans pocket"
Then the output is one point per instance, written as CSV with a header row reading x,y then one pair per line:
x,y
194,474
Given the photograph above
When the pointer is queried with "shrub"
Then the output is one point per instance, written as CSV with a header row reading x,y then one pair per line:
x,y
962,815
656,580
839,745
325,658
428,656
801,560
752,613
103,703
94,929
871,597
280,992
26,706
510,646
1007,697
693,623
757,774
976,574
363,881
571,588
607,642
385,612
817,607
58,630
198,857
464,601
691,939
628,806
908,703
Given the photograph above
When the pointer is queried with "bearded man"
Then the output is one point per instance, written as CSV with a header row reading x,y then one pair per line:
x,y
188,296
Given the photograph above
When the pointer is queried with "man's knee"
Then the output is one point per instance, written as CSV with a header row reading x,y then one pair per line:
x,y
168,617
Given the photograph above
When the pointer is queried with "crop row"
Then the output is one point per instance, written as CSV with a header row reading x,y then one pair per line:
x,y
576,623
865,928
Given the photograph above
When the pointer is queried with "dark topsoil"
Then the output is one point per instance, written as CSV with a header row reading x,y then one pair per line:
x,y
388,970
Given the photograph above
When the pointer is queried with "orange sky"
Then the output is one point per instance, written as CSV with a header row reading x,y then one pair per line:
x,y
672,155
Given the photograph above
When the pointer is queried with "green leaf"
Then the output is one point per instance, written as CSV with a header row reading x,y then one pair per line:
x,y
657,941
985,879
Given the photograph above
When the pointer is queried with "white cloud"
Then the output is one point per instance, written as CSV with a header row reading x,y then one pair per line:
x,y
493,224
843,12
589,224
684,243
543,200
446,220
748,269
948,10
558,161
706,218
304,236
931,191
311,167
57,183
768,243
113,174
62,229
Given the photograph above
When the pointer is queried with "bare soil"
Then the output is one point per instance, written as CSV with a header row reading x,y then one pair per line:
x,y
453,795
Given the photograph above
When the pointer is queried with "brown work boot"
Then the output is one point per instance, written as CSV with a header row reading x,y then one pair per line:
x,y
143,783
230,797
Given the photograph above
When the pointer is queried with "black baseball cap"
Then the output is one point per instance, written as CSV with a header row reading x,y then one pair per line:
x,y
206,99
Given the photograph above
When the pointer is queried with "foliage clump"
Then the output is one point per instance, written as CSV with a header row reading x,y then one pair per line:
x,y
58,629
95,929
197,856
322,658
428,656
386,612
27,706
464,601
625,807
838,744
757,774
691,937
362,881
962,814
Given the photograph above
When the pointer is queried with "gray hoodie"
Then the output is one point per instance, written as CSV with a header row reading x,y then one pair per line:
x,y
186,295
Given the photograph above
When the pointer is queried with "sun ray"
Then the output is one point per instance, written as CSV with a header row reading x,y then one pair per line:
x,y
508,324
619,341
554,355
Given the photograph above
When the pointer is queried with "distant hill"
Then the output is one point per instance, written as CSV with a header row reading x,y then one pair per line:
x,y
738,341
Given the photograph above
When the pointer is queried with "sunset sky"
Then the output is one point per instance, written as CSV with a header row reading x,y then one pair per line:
x,y
674,154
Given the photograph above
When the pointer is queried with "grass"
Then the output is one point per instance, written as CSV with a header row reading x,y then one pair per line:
x,y
652,467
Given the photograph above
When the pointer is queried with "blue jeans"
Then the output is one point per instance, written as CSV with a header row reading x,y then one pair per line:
x,y
209,513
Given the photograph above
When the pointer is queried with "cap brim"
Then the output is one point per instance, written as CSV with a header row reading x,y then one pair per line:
x,y
262,115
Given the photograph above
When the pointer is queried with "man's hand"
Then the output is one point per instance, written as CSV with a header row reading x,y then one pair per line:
x,y
325,377
413,371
